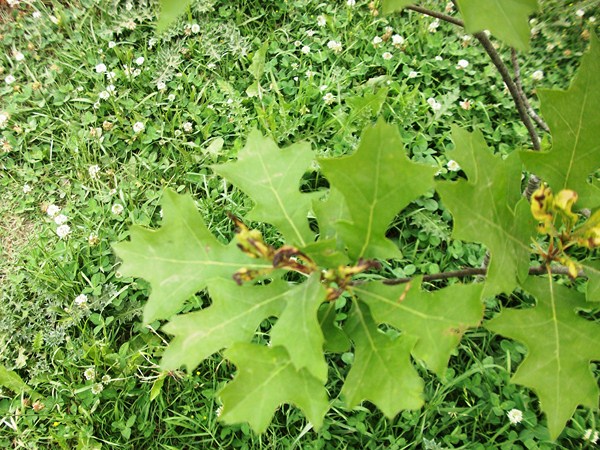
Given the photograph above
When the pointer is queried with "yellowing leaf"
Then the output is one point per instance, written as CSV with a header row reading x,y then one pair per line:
x,y
438,319
377,181
179,258
574,120
489,208
234,316
560,346
265,380
271,177
382,371
507,20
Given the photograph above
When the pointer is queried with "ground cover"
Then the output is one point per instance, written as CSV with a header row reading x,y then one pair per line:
x,y
100,114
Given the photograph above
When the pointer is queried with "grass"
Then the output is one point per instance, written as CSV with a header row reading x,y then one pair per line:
x,y
190,96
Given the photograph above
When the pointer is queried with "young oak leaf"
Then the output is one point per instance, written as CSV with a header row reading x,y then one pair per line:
x,y
560,346
266,379
305,344
179,258
377,181
382,371
508,20
489,208
574,119
234,316
438,318
271,177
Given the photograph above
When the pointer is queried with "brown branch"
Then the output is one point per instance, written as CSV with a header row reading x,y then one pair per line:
x,y
537,119
437,15
473,271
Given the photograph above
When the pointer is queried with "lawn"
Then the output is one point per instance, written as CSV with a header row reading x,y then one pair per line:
x,y
99,114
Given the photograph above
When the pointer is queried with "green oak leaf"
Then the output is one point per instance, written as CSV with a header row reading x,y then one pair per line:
x,y
265,380
234,315
377,181
489,209
390,6
437,318
179,258
560,346
170,10
298,328
574,120
271,177
336,341
382,371
329,212
508,20
592,271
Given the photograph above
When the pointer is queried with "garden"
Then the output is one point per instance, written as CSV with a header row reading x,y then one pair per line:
x,y
299,224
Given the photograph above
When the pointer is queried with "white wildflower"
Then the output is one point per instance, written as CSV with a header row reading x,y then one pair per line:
x,y
462,64
60,219
93,239
63,231
171,97
515,416
310,33
591,435
591,19
104,95
128,6
433,26
106,379
537,75
101,68
195,28
465,104
413,74
161,85
36,15
335,46
438,58
187,127
297,43
110,76
110,88
377,40
351,3
52,210
453,166
4,119
94,171
89,373
112,44
435,105
117,209
27,189
54,19
580,13
138,127
328,98
139,61
18,56
97,388
321,21
305,49
397,40
9,79
387,56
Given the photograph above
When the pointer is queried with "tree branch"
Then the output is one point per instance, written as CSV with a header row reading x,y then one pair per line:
x,y
537,119
437,15
473,271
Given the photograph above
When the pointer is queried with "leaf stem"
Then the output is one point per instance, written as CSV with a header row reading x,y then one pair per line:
x,y
473,271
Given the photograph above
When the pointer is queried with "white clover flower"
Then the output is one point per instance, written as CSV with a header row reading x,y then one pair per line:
x,y
580,13
27,189
3,119
321,21
112,44
136,72
462,64
93,239
161,85
310,33
89,373
433,26
195,28
139,61
328,98
449,7
97,388
171,97
94,171
187,127
54,19
13,3
335,46
515,416
435,105
211,66
591,19
111,88
305,49
106,379
387,56
467,38
52,210
377,40
351,3
117,209
110,76
60,219
538,75
18,56
36,15
453,166
413,74
151,43
9,79
101,68
438,58
297,43
397,40
104,95
138,127
128,6
591,435
63,231
465,104
309,74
